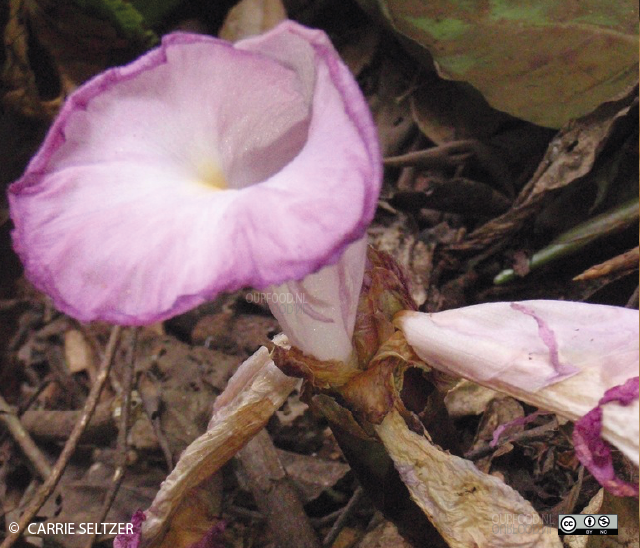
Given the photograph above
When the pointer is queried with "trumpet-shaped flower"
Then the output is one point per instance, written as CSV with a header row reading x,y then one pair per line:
x,y
199,168
560,356
318,314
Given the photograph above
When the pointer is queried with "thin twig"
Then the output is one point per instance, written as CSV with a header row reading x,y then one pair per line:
x,y
275,495
525,435
245,513
326,520
56,473
449,154
123,431
348,511
24,440
633,300
10,304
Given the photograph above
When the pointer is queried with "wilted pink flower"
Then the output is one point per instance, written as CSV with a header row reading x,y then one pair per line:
x,y
560,356
199,168
592,451
132,539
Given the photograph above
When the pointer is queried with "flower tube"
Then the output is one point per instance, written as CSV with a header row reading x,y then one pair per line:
x,y
318,314
199,168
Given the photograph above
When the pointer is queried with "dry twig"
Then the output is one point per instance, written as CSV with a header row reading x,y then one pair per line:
x,y
274,494
123,431
525,435
346,513
24,440
633,300
56,473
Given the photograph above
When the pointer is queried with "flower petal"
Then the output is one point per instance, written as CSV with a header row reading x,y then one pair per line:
x,y
340,165
503,348
199,168
594,453
134,538
318,313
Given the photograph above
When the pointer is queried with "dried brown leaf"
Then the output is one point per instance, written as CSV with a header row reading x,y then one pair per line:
x,y
414,256
312,476
252,17
52,46
459,500
625,262
447,111
385,535
78,352
468,398
570,156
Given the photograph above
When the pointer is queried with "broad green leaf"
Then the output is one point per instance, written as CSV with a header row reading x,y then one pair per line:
x,y
546,61
154,11
126,19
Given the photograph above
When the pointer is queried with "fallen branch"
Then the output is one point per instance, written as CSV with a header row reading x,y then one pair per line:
x,y
274,494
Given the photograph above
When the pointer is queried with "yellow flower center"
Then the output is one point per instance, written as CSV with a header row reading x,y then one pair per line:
x,y
211,176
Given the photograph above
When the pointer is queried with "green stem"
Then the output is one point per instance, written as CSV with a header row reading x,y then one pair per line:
x,y
578,237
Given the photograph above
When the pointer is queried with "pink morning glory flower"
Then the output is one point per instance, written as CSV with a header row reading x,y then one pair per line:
x,y
201,167
567,357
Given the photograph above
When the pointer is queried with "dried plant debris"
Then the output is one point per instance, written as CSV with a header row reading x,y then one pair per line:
x,y
414,255
177,384
570,156
252,17
51,47
384,535
78,498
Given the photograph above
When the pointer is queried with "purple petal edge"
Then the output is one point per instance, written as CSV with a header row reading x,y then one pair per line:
x,y
593,452
520,421
213,538
548,337
131,540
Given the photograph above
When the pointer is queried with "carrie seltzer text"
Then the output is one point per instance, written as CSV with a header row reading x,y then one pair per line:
x,y
80,528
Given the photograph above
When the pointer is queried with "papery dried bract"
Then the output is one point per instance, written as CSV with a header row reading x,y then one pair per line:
x,y
462,502
385,291
253,394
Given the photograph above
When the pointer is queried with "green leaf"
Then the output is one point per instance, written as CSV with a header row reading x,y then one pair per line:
x,y
123,16
154,11
546,61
